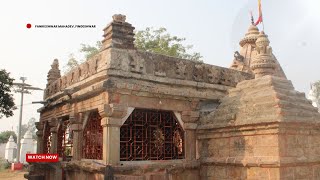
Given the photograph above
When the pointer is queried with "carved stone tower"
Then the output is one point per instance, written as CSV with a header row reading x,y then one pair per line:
x,y
54,72
248,51
263,63
118,34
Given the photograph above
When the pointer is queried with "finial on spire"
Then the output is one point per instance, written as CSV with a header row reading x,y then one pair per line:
x,y
252,20
263,63
119,18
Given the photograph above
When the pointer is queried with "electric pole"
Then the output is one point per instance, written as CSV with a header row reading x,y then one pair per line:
x,y
23,89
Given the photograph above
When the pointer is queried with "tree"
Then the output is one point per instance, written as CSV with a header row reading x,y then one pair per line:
x,y
4,136
161,42
90,51
150,40
315,93
72,63
6,98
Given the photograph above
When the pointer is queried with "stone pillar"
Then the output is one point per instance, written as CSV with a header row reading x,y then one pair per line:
x,y
111,140
53,123
112,118
189,118
39,134
54,140
76,128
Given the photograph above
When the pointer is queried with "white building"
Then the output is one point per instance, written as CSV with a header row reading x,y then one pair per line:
x,y
11,150
27,146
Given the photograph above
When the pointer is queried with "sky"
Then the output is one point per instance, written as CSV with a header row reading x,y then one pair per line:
x,y
213,27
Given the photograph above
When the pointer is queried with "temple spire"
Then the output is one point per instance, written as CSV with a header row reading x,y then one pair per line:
x,y
118,34
54,72
248,51
263,63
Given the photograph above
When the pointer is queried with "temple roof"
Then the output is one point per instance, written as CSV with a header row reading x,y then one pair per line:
x,y
248,50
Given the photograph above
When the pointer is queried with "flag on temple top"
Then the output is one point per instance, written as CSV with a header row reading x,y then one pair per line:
x,y
259,20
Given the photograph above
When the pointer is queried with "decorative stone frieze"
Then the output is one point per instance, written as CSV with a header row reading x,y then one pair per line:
x,y
181,69
160,68
136,63
199,72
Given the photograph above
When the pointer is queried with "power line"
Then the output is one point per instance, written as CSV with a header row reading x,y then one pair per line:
x,y
22,89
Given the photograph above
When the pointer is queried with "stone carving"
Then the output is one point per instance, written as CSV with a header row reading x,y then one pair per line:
x,y
160,67
86,69
198,72
181,70
119,18
93,65
136,64
237,56
263,62
113,110
225,78
213,75
54,72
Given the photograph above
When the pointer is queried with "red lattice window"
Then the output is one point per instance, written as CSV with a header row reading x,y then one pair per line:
x,y
92,137
65,141
151,135
46,138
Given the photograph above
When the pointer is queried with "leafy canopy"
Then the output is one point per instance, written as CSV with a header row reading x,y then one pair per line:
x,y
4,136
160,42
6,98
72,63
90,51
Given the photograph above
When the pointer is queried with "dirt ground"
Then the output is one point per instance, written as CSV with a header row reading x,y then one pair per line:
x,y
12,175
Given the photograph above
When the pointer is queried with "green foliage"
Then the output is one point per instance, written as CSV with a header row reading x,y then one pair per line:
x,y
4,164
6,98
90,51
161,42
4,136
150,40
72,63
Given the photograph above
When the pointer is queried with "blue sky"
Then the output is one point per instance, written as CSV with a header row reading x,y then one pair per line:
x,y
213,27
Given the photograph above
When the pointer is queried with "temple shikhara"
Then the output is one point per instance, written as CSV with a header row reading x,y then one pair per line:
x,y
125,114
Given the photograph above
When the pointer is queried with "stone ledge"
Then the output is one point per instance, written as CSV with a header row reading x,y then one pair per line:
x,y
263,161
207,132
137,167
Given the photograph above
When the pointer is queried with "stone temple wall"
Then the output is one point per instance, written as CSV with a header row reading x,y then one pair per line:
x,y
115,82
248,123
263,129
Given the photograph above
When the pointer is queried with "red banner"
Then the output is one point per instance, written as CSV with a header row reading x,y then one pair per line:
x,y
42,158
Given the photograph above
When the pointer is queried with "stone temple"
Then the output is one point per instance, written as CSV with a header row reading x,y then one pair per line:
x,y
131,115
